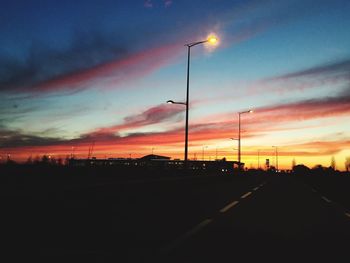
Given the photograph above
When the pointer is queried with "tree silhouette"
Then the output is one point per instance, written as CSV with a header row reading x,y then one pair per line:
x,y
301,169
347,164
333,163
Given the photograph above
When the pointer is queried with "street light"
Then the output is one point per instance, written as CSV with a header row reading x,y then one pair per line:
x,y
211,40
239,135
175,102
276,156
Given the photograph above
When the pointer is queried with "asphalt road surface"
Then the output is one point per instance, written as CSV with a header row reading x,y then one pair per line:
x,y
182,219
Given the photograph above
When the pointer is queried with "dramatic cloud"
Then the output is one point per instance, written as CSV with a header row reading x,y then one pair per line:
x,y
150,116
113,72
15,139
337,73
336,68
264,120
44,63
315,148
305,110
94,58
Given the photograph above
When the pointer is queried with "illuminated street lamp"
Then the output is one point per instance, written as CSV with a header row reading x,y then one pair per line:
x,y
175,102
239,135
211,40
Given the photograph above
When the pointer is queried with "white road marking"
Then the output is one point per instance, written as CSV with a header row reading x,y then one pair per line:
x,y
198,227
256,188
245,195
326,199
187,235
229,206
313,190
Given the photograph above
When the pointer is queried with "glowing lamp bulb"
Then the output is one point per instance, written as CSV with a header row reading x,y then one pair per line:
x,y
212,40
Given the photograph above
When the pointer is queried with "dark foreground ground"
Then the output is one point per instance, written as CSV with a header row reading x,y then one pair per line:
x,y
172,217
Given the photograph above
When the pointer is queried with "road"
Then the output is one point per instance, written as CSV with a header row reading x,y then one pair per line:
x,y
189,219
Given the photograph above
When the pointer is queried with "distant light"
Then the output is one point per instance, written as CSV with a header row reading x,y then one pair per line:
x,y
170,102
212,40
251,111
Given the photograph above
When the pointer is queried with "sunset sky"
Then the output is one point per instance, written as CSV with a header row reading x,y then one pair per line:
x,y
78,73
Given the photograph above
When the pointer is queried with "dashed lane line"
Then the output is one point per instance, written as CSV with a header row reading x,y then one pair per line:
x,y
326,199
202,224
246,195
187,235
226,208
197,228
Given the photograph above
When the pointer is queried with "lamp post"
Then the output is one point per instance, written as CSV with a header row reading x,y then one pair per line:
x,y
239,135
212,40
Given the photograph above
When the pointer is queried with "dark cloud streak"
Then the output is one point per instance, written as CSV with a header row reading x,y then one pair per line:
x,y
339,67
44,63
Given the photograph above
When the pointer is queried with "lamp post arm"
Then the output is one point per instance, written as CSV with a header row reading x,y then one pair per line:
x,y
242,112
196,43
176,102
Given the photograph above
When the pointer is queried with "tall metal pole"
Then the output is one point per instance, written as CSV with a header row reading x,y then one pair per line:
x,y
239,136
187,99
211,40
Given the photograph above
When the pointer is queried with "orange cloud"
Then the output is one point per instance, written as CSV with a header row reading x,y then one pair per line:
x,y
264,120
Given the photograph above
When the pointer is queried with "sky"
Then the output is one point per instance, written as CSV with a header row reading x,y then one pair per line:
x,y
77,74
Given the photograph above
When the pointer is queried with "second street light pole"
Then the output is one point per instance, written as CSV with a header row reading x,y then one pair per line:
x,y
239,136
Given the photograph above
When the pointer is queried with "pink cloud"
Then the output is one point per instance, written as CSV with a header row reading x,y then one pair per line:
x,y
126,69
